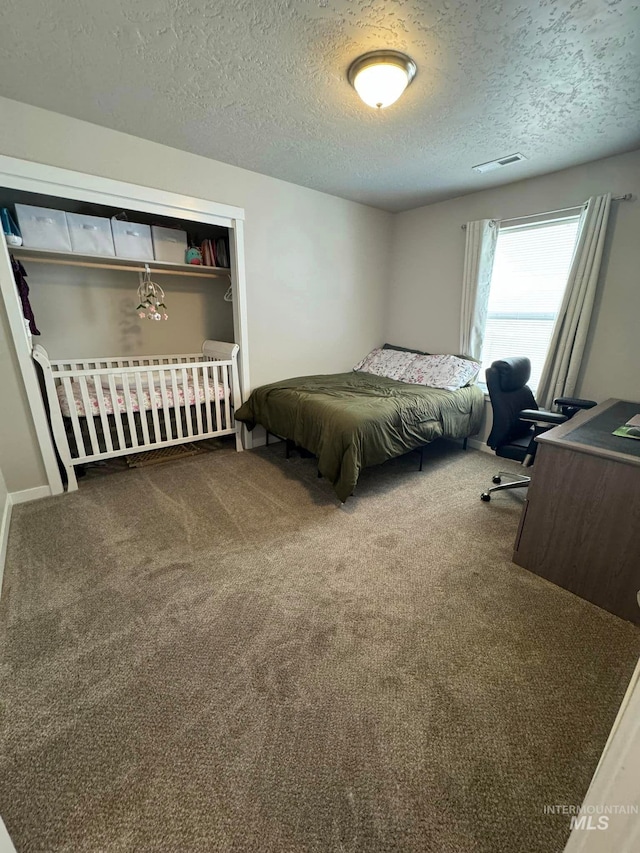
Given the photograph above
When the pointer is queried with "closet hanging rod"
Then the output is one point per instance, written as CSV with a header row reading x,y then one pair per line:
x,y
625,197
42,256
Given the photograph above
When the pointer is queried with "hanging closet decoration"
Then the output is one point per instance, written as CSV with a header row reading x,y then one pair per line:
x,y
151,304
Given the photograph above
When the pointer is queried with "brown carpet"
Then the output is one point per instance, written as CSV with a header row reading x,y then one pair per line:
x,y
210,655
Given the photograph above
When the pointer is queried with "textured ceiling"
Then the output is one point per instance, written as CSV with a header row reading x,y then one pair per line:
x,y
261,84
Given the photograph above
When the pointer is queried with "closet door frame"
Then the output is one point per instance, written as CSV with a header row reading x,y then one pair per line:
x,y
64,183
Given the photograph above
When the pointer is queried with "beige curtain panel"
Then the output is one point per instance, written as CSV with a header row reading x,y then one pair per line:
x,y
560,372
480,251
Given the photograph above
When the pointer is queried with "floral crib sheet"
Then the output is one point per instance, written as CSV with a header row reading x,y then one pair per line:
x,y
94,393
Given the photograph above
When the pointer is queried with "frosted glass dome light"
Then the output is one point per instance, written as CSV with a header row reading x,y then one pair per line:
x,y
380,77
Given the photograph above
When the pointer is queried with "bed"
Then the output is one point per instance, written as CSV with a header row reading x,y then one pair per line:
x,y
112,406
356,419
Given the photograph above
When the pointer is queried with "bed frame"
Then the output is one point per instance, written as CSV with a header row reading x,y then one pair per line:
x,y
80,439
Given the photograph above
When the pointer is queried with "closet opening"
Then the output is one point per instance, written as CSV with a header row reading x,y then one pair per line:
x,y
132,316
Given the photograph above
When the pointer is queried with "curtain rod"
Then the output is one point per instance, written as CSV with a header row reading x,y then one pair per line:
x,y
625,197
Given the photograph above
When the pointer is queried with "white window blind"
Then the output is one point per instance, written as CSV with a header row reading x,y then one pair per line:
x,y
529,277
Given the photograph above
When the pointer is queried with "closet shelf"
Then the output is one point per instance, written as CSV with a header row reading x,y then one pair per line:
x,y
72,259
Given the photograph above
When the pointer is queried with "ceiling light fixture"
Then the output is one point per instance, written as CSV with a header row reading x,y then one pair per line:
x,y
381,76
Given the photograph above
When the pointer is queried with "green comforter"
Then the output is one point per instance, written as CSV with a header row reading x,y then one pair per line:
x,y
353,420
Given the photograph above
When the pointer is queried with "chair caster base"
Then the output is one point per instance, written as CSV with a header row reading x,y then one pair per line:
x,y
497,479
485,496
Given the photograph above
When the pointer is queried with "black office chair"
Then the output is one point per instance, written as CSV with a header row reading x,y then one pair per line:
x,y
517,420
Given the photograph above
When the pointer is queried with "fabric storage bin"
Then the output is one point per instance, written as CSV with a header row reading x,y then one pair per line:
x,y
43,228
169,244
90,235
132,240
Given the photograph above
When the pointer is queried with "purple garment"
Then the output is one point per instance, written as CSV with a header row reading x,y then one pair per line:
x,y
20,276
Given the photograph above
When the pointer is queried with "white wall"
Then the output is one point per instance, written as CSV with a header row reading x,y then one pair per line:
x,y
616,782
317,266
6,845
428,256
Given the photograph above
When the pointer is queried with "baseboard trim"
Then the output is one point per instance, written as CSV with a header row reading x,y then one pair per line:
x,y
4,535
479,445
27,495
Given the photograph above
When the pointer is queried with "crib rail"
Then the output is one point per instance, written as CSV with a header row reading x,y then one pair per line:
x,y
117,362
120,405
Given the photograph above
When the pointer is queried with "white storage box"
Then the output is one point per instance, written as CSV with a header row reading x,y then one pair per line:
x,y
169,244
43,228
132,240
90,235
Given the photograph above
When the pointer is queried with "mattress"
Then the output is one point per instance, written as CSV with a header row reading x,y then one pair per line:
x,y
151,399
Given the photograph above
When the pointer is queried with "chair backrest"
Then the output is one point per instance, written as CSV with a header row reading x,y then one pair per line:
x,y
509,393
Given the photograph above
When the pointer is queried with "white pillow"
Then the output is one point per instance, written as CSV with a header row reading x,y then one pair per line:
x,y
386,362
440,371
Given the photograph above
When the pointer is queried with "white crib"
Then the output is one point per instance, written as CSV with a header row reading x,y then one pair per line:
x,y
105,407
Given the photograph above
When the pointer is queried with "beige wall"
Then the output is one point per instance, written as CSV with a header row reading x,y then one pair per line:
x,y
3,494
20,458
5,519
88,313
428,254
320,291
317,266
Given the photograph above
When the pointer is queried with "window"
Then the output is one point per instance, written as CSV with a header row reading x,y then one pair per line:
x,y
530,272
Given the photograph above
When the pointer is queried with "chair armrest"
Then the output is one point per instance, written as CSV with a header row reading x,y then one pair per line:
x,y
541,416
575,402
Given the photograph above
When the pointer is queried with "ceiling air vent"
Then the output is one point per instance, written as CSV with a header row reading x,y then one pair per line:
x,y
498,164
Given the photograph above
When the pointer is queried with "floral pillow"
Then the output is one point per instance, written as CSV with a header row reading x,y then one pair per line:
x,y
440,371
386,362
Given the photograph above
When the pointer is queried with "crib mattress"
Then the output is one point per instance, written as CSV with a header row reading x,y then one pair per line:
x,y
151,399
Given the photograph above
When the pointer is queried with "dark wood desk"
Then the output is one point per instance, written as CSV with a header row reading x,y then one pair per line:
x,y
580,525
